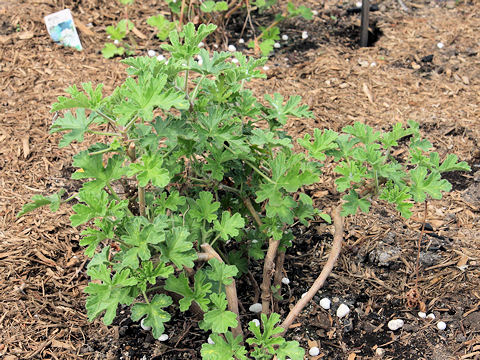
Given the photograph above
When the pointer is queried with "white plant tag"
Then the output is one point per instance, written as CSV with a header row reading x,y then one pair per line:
x,y
62,30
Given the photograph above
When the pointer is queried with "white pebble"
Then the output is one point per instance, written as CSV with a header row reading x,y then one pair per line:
x,y
163,337
232,48
314,351
325,303
253,241
256,308
116,42
257,322
395,324
304,35
441,325
160,57
277,45
314,12
342,310
380,352
215,46
440,45
201,44
145,327
303,295
235,61
241,41
358,4
285,281
422,315
266,68
431,316
284,37
151,53
373,64
210,341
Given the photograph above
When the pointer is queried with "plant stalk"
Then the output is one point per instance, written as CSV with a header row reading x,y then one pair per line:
x,y
141,200
230,290
327,269
268,271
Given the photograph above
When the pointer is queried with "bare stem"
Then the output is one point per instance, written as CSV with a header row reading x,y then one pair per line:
x,y
230,290
268,270
277,279
141,200
252,211
327,269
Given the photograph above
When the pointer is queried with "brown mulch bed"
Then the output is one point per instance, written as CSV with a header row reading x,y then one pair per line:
x,y
42,267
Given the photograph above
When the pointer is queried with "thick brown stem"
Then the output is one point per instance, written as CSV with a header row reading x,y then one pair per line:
x,y
230,290
141,200
277,279
327,269
268,271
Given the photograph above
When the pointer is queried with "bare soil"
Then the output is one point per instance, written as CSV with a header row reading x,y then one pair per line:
x,y
404,75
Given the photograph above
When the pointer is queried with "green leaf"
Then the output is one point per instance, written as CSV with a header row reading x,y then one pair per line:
x,y
278,113
221,6
390,139
146,95
172,202
53,200
224,350
424,183
107,295
261,137
301,10
191,39
139,234
91,166
89,98
77,125
150,170
218,320
111,50
322,141
290,349
121,30
93,237
266,340
148,274
393,194
199,294
203,208
95,205
362,132
352,173
451,164
162,25
208,6
155,316
178,249
221,272
353,202
229,225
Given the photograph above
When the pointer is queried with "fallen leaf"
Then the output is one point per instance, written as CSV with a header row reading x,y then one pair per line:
x,y
60,344
139,33
83,28
26,146
462,262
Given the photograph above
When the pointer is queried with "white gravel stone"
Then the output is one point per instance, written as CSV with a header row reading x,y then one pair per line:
x,y
257,322
116,42
440,45
325,303
160,57
358,4
380,352
395,324
314,351
441,325
422,315
304,294
201,44
284,37
266,68
163,337
210,341
235,61
304,35
343,310
256,308
314,12
152,53
285,281
241,41
145,327
232,48
277,45
431,316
